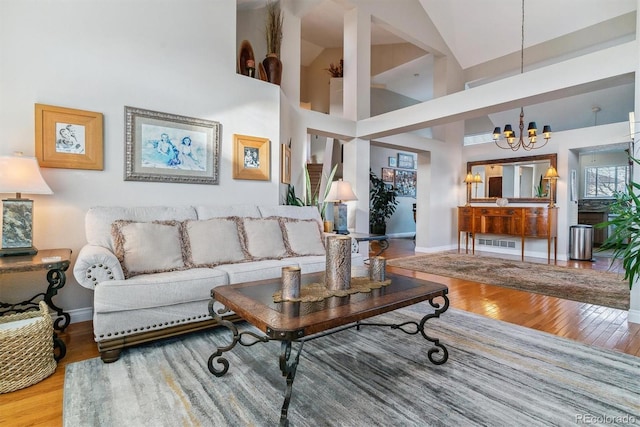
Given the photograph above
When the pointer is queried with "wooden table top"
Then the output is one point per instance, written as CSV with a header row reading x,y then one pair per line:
x,y
46,259
253,301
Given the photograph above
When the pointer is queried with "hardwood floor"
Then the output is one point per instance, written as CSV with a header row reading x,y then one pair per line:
x,y
41,404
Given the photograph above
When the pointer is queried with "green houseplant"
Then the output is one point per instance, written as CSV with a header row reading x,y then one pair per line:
x,y
625,238
311,195
382,204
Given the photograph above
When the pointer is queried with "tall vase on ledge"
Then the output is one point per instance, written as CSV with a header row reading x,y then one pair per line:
x,y
273,68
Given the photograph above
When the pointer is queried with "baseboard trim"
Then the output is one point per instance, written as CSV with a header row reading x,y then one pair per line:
x,y
79,314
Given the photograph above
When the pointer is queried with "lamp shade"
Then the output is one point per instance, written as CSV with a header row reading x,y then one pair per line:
x,y
551,173
21,175
477,178
340,191
469,179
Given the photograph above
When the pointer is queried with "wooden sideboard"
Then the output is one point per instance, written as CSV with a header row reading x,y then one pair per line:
x,y
523,222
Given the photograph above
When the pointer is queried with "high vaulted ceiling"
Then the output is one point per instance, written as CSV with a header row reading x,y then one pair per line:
x,y
485,32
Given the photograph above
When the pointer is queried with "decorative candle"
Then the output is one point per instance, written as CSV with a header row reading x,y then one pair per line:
x,y
377,266
338,267
290,282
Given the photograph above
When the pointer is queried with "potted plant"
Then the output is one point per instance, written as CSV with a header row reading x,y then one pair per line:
x,y
382,204
273,35
625,236
336,70
312,195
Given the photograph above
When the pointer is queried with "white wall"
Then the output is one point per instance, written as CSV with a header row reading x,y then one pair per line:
x,y
173,57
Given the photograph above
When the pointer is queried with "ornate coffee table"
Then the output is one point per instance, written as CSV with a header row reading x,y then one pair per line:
x,y
299,322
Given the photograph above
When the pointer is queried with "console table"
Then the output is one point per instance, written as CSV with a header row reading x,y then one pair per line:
x,y
522,222
55,262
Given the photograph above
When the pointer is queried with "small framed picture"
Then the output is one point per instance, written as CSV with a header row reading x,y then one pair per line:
x,y
285,165
68,138
251,157
393,162
387,175
163,147
405,161
405,183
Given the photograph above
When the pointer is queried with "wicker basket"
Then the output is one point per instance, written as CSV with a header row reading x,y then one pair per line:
x,y
26,349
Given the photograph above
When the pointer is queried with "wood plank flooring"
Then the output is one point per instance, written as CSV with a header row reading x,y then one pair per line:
x,y
41,404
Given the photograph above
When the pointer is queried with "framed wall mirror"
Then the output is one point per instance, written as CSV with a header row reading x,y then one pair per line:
x,y
517,179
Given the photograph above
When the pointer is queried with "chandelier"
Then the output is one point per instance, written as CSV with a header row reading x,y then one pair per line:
x,y
531,142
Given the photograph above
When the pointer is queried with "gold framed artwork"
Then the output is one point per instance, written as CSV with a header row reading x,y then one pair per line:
x,y
68,138
251,158
285,165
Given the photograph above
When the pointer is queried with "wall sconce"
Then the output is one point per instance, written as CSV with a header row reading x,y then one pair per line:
x,y
552,176
19,175
339,192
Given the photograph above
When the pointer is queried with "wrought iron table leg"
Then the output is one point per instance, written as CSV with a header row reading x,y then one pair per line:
x,y
436,342
288,368
62,348
57,280
384,245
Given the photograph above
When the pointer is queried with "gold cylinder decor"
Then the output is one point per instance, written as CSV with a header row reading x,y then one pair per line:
x,y
338,268
377,266
290,282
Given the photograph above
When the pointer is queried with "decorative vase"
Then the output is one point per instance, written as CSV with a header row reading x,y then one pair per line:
x,y
273,68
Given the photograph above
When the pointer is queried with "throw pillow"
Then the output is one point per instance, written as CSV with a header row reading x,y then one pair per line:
x,y
264,238
148,247
213,242
303,236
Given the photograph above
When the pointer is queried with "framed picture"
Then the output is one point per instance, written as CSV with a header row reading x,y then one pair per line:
x,y
68,138
393,162
285,164
405,161
387,175
251,158
164,147
405,183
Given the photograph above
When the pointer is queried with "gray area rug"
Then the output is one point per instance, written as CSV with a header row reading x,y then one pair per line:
x,y
497,374
584,285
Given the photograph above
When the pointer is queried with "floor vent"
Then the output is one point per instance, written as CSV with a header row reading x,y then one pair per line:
x,y
499,243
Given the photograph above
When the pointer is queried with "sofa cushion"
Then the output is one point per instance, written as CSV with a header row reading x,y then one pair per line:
x,y
214,241
255,270
302,237
222,211
264,238
289,211
148,247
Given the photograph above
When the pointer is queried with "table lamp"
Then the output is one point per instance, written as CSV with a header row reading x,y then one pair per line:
x,y
19,175
477,179
552,176
468,180
339,192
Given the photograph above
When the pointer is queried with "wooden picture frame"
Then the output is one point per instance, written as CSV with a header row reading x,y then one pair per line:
x,y
251,158
285,164
388,175
163,147
405,161
68,138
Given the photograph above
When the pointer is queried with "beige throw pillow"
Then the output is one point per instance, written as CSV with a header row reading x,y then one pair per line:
x,y
213,242
303,237
148,247
264,238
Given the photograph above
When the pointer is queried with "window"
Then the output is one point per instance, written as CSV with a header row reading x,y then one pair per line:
x,y
605,181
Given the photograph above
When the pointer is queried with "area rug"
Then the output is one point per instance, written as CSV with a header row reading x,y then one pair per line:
x,y
497,374
590,286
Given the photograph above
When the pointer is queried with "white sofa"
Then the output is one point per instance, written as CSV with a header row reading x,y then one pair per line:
x,y
152,268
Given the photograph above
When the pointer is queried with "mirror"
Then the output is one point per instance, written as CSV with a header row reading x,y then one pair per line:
x,y
516,179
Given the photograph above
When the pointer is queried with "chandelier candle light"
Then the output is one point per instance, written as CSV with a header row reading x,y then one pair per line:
x,y
19,175
532,129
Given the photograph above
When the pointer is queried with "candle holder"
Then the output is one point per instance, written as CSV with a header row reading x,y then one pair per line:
x,y
290,283
338,267
377,266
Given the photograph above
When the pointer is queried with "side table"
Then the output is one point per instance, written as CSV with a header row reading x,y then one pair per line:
x,y
382,239
55,262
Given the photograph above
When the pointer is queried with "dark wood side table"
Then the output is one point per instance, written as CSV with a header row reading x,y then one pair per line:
x,y
382,239
55,262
